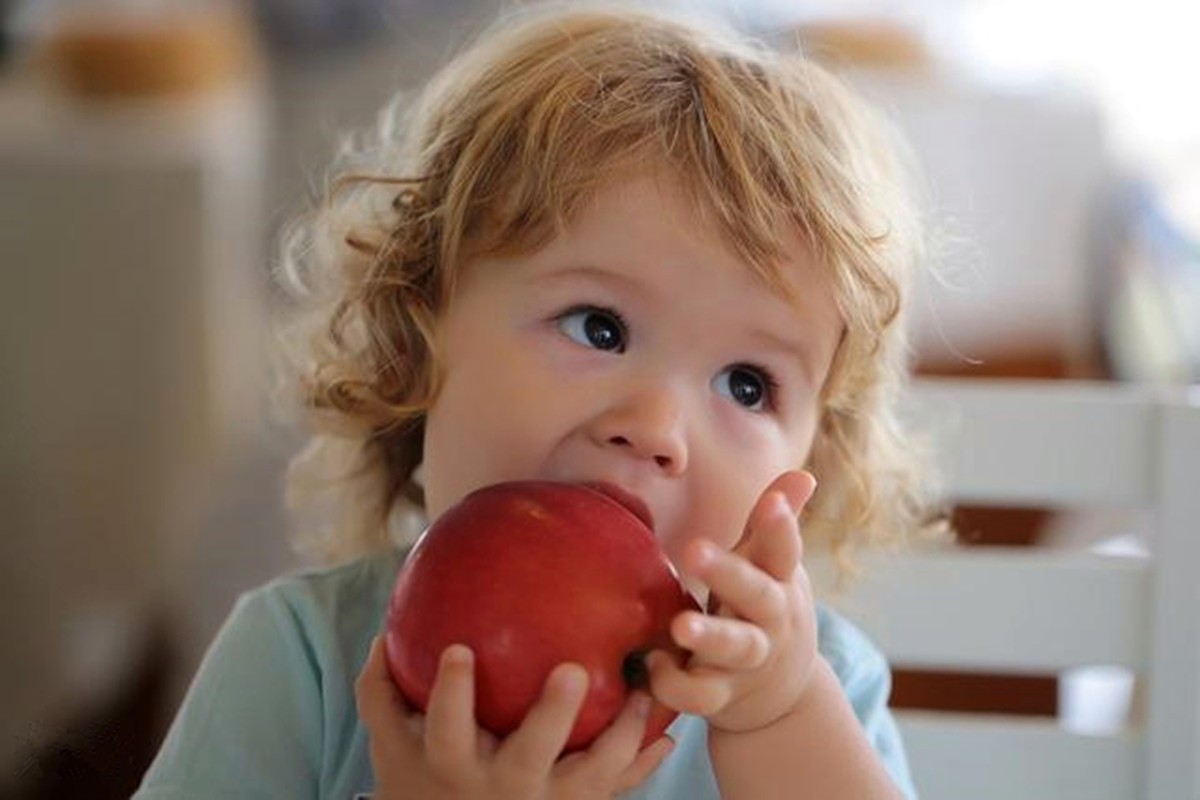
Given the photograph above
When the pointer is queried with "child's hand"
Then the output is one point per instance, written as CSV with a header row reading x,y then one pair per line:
x,y
444,754
753,656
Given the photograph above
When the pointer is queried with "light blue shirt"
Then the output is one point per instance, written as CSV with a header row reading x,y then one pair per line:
x,y
271,711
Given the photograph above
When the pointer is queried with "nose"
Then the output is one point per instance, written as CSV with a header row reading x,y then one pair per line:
x,y
647,425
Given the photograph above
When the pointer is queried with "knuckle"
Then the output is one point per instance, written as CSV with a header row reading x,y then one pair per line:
x,y
521,767
596,770
700,697
741,570
769,597
758,647
670,695
514,780
444,765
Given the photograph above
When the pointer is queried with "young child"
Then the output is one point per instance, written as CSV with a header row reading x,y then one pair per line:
x,y
605,246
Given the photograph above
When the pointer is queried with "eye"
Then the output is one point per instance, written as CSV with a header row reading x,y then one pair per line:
x,y
599,328
747,385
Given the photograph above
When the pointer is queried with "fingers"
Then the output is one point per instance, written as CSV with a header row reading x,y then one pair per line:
x,y
798,486
616,749
380,704
720,641
691,690
620,741
392,729
772,540
616,758
749,591
533,748
454,746
450,737
644,764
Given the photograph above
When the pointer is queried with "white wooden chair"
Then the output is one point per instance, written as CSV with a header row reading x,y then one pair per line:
x,y
1046,610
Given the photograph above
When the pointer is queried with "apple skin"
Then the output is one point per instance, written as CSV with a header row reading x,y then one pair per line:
x,y
531,574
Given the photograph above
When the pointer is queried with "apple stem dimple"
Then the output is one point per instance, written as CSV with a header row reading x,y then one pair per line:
x,y
634,670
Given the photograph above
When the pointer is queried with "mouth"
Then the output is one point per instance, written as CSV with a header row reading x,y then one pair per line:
x,y
626,500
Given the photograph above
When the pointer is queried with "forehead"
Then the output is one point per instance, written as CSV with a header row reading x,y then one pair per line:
x,y
645,237
646,215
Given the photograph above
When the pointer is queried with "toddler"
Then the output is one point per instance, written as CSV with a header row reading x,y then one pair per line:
x,y
605,246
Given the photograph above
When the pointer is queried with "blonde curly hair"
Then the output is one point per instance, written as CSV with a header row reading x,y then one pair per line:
x,y
495,157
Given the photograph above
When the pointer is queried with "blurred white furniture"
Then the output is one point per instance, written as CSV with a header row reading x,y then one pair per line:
x,y
1012,177
1052,610
131,267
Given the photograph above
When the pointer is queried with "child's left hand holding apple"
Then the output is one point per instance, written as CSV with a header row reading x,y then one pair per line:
x,y
752,657
445,754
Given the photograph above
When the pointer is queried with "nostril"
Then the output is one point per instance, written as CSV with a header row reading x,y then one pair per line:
x,y
662,461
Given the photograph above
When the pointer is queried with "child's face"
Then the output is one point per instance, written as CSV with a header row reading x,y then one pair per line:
x,y
634,349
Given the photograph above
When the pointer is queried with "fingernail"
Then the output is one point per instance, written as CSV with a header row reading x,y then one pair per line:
x,y
457,655
573,679
808,497
797,497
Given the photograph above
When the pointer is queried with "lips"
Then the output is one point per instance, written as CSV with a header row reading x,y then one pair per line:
x,y
629,502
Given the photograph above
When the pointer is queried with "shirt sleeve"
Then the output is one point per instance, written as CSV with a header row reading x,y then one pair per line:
x,y
250,724
866,679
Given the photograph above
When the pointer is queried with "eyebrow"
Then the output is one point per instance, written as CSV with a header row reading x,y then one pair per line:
x,y
592,272
789,347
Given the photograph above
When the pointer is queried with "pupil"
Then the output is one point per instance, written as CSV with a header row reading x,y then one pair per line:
x,y
745,387
601,332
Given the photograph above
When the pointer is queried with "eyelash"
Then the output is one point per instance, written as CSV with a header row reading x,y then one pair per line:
x,y
606,311
770,384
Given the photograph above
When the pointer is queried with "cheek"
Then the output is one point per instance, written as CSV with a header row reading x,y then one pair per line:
x,y
716,509
492,421
724,492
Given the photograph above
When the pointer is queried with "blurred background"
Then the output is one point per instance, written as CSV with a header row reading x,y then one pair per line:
x,y
151,150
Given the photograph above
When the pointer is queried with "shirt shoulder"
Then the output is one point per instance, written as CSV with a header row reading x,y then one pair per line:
x,y
344,602
272,704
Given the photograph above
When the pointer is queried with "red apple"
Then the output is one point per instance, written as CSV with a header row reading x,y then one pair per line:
x,y
531,574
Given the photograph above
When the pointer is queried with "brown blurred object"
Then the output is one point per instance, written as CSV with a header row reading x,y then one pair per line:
x,y
112,54
102,751
876,43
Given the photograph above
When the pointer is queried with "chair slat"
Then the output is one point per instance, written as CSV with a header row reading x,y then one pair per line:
x,y
1040,610
994,757
1000,609
1076,444
1173,767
